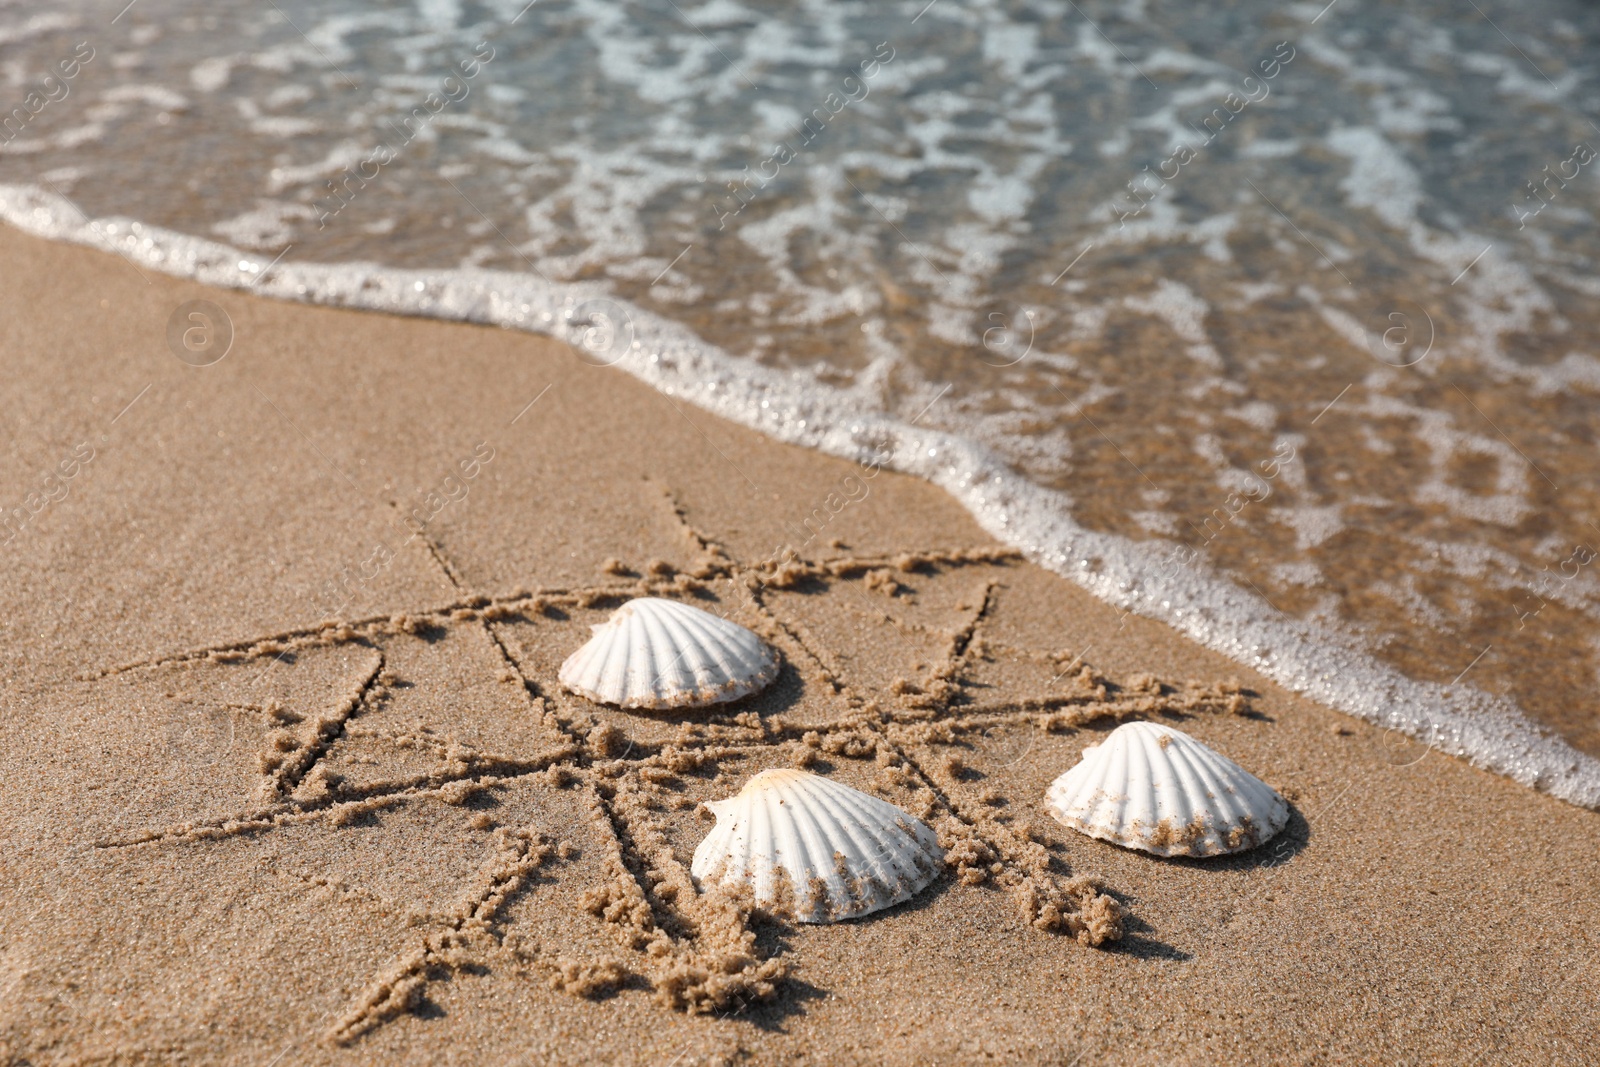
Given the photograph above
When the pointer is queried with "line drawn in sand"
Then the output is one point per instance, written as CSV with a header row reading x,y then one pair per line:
x,y
932,740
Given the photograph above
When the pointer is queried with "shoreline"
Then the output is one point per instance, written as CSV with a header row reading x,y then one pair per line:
x,y
1131,576
397,838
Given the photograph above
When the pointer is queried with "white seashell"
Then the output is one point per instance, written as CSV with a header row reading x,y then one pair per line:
x,y
655,653
1157,789
827,851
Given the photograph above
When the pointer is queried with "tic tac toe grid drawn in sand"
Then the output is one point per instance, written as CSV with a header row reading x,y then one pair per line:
x,y
569,824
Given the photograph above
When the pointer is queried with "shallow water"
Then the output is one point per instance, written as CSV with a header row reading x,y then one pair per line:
x,y
1301,296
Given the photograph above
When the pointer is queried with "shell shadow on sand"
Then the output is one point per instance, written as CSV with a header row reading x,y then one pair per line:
x,y
1137,940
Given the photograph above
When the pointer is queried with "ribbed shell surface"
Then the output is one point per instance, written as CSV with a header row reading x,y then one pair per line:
x,y
1157,789
825,851
655,653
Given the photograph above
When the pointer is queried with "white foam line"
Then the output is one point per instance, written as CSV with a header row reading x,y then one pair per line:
x,y
1302,656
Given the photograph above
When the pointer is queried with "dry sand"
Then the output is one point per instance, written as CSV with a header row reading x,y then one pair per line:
x,y
234,834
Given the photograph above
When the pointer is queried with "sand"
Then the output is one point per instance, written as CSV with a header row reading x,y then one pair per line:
x,y
237,831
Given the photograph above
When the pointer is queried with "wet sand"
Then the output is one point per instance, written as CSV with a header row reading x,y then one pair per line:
x,y
287,771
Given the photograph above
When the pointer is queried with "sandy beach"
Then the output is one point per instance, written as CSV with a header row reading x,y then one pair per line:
x,y
288,776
